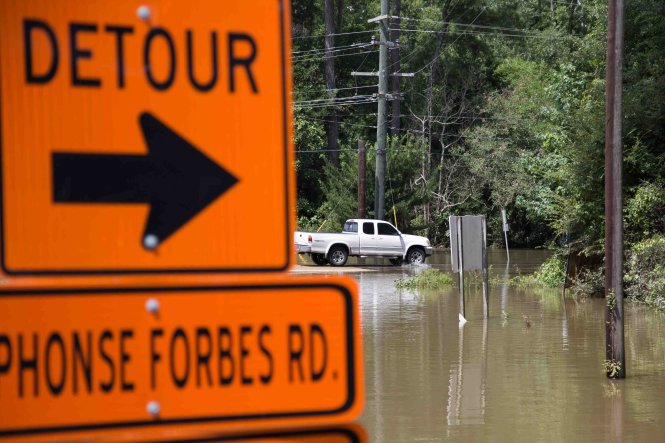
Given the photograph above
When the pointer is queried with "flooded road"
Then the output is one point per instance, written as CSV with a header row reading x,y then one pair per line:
x,y
531,372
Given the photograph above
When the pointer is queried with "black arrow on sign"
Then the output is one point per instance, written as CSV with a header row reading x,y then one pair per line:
x,y
175,179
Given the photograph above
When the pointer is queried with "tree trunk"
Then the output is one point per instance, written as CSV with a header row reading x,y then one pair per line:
x,y
571,15
332,125
428,96
362,161
433,71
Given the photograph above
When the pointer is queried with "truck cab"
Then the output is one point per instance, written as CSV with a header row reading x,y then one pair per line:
x,y
376,238
363,238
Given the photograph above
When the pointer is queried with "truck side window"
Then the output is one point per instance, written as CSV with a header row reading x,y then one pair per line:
x,y
368,228
350,227
386,229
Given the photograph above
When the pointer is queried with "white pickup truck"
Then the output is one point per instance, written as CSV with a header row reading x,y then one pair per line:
x,y
364,238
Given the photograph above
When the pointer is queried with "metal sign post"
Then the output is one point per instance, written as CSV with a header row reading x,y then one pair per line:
x,y
468,247
460,267
505,232
486,288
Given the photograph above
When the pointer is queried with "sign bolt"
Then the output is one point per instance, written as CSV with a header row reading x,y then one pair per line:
x,y
152,305
143,12
153,408
150,241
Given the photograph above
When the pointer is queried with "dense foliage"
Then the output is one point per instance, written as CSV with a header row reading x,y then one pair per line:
x,y
506,110
645,278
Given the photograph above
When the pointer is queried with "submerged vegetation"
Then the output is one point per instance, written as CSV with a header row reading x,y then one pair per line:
x,y
644,275
552,272
427,279
611,368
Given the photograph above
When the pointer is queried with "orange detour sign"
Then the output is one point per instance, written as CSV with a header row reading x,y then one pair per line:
x,y
347,434
286,352
143,139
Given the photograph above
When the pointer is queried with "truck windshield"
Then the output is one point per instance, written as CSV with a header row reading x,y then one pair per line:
x,y
350,227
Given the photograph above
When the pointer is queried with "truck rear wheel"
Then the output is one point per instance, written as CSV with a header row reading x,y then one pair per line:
x,y
337,256
319,259
415,256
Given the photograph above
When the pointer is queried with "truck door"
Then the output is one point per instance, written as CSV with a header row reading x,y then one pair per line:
x,y
367,239
351,227
388,241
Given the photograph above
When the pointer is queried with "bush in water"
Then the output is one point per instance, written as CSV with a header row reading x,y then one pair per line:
x,y
645,272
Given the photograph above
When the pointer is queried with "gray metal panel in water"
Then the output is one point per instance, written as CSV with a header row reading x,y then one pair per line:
x,y
472,241
452,225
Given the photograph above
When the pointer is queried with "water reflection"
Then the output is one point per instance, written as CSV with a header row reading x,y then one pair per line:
x,y
564,324
504,379
466,386
504,287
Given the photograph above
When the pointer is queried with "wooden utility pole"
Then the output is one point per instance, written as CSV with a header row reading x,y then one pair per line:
x,y
332,124
380,176
616,362
395,67
384,73
362,159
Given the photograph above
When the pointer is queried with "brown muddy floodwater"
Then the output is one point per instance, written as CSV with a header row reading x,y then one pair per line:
x,y
502,380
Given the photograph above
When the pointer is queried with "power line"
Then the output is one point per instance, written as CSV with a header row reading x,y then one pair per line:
x,y
466,136
333,56
359,125
472,25
468,25
316,151
339,105
465,117
335,34
328,99
327,53
359,66
327,105
322,91
475,137
322,55
396,149
509,118
333,103
447,30
539,36
334,48
338,101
